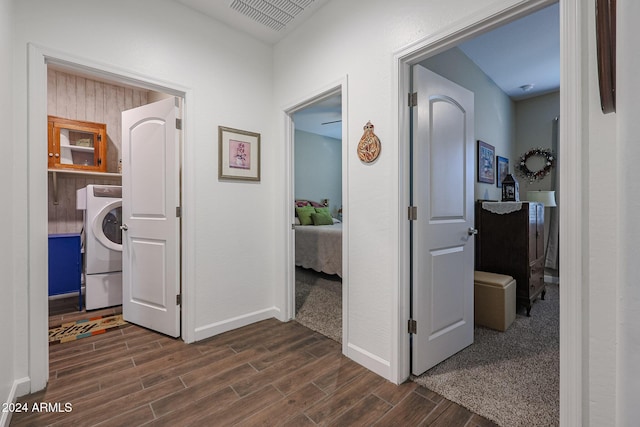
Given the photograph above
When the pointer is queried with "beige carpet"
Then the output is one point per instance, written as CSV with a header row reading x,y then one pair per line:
x,y
511,378
319,302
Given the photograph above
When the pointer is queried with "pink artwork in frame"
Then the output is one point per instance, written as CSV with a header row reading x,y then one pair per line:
x,y
239,154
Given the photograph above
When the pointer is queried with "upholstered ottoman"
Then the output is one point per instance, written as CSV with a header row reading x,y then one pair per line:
x,y
494,300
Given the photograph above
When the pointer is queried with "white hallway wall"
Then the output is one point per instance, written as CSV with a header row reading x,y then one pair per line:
x,y
602,244
165,41
8,371
628,159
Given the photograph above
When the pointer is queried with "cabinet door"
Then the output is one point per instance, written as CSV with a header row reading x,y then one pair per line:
x,y
77,145
536,278
54,154
540,230
533,232
64,263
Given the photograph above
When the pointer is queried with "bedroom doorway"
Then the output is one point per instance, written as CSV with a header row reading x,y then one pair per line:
x,y
316,166
454,374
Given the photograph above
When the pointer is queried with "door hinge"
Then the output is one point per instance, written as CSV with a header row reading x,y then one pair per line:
x,y
413,326
179,299
99,138
179,124
412,213
413,99
178,212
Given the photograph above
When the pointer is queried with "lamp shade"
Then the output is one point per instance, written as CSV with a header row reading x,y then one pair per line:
x,y
547,198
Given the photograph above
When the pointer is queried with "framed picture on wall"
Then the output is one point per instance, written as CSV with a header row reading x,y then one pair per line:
x,y
502,168
238,154
486,156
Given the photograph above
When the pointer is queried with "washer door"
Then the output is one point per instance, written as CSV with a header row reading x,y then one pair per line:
x,y
106,226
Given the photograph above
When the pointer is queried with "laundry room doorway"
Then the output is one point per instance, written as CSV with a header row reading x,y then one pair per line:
x,y
137,151
61,85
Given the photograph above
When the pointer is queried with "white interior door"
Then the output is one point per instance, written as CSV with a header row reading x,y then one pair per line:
x,y
442,241
151,226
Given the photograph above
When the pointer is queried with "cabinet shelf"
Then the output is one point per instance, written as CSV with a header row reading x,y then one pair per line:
x,y
78,148
86,173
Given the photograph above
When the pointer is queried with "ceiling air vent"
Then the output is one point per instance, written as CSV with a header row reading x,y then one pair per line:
x,y
275,14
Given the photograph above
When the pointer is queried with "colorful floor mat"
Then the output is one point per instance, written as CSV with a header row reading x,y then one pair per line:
x,y
84,328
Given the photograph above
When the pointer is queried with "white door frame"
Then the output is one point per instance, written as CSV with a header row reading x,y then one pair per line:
x,y
37,256
339,86
570,154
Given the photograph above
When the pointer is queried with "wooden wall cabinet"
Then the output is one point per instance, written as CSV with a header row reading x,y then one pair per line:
x,y
79,145
513,244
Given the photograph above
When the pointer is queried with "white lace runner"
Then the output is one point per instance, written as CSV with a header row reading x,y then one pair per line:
x,y
502,208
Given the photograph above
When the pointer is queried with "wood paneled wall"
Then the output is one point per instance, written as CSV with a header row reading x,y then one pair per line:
x,y
79,98
64,217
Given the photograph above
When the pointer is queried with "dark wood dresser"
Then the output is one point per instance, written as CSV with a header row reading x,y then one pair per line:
x,y
513,244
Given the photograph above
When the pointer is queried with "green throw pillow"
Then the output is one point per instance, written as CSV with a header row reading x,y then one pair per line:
x,y
323,210
304,214
321,218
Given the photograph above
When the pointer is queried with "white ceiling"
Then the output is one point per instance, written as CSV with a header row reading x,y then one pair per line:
x,y
322,118
523,52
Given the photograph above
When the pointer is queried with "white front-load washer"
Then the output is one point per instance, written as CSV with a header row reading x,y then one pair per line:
x,y
102,205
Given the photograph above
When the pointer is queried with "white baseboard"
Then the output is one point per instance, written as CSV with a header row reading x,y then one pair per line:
x,y
213,329
62,296
19,388
370,361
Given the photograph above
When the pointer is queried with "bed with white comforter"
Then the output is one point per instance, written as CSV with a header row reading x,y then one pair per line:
x,y
319,247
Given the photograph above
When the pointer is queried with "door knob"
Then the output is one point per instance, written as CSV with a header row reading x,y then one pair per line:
x,y
124,227
472,231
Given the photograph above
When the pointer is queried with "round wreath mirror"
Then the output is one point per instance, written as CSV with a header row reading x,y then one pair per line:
x,y
536,164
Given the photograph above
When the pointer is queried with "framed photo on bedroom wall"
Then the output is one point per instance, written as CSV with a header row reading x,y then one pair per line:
x,y
238,154
486,156
502,168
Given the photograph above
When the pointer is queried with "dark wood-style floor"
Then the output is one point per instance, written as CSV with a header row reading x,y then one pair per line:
x,y
268,373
